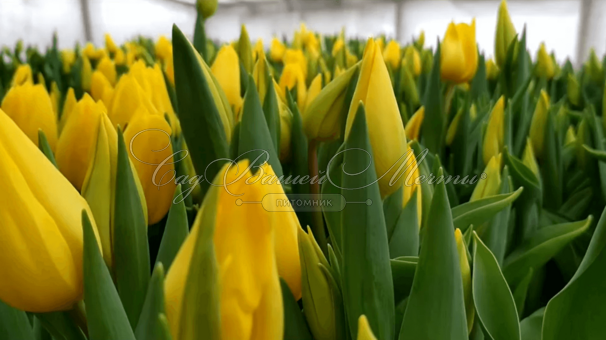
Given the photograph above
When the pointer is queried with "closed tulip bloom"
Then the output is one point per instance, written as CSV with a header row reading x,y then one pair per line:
x,y
459,54
120,58
392,54
413,127
128,97
413,60
573,90
545,67
470,310
164,48
385,127
313,91
41,234
22,75
489,186
529,159
30,107
277,50
505,33
364,331
226,69
55,96
148,138
206,8
492,70
258,50
68,105
91,52
86,74
101,88
411,174
107,67
338,46
537,125
260,76
110,44
493,139
292,76
285,130
68,58
245,50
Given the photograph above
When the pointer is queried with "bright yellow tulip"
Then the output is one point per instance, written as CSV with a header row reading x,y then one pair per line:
x,y
470,310
107,67
226,69
277,50
293,75
413,127
86,74
110,44
101,88
364,331
492,70
164,48
22,75
413,60
505,33
68,105
493,139
68,58
459,53
545,67
490,185
392,54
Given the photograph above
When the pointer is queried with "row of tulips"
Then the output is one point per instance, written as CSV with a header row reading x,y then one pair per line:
x,y
143,189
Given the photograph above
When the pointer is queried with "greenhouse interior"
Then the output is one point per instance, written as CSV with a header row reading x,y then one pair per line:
x,y
302,170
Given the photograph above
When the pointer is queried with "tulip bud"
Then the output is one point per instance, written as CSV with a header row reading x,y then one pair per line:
x,y
68,58
505,33
297,57
120,58
260,76
570,136
414,124
107,67
412,60
285,130
385,127
258,50
594,67
323,116
545,66
529,159
206,8
55,97
392,54
110,44
537,125
226,69
420,42
277,50
408,85
101,89
411,174
313,91
364,331
148,140
459,54
466,275
163,48
493,138
68,107
42,246
491,182
426,61
22,75
492,70
90,52
292,76
86,74
30,107
451,133
573,90
322,301
245,50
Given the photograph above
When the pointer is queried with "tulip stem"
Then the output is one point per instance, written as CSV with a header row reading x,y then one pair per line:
x,y
78,315
317,218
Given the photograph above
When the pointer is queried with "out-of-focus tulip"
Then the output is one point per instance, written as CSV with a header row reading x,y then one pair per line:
x,y
206,8
426,61
414,124
226,68
413,60
420,42
470,310
68,58
408,85
392,54
411,174
107,67
537,125
593,67
55,96
545,66
260,74
313,91
245,50
68,106
492,70
493,139
285,130
258,50
110,44
338,46
451,133
364,331
91,52
505,33
296,57
30,107
120,58
148,137
22,75
101,88
573,90
529,159
322,117
164,48
459,53
41,234
385,127
292,76
247,253
86,74
490,185
277,50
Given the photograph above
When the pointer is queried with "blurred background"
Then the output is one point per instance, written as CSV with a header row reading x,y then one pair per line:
x,y
568,27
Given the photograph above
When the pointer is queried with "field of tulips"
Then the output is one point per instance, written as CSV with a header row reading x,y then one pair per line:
x,y
325,188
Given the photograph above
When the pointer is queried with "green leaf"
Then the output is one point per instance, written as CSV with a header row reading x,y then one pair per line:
x,y
200,37
152,308
60,326
436,307
14,324
405,238
481,211
392,207
494,303
295,326
106,317
403,273
255,139
332,186
175,232
366,271
432,131
597,154
540,247
495,234
131,251
200,119
45,147
532,325
521,291
578,311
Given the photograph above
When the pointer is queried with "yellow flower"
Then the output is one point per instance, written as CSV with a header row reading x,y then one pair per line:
x,y
55,96
30,107
260,74
492,70
91,52
120,58
529,159
385,127
253,248
459,54
68,105
493,139
110,44
392,54
337,47
490,185
285,130
413,127
466,276
147,137
505,33
296,57
277,50
164,48
107,67
292,76
258,50
101,89
413,60
545,66
85,74
22,75
537,125
313,91
128,97
68,58
364,331
41,234
411,174
226,69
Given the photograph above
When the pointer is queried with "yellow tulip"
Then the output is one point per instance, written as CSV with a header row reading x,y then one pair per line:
x,y
490,185
85,74
260,74
107,67
147,137
55,96
364,331
413,60
470,310
277,50
245,50
169,69
529,159
258,50
411,174
68,58
110,44
297,57
413,127
573,90
164,48
285,130
459,54
22,75
206,8
420,40
545,66
338,46
30,107
292,76
392,54
385,127
492,70
68,105
101,88
128,97
505,33
537,125
91,52
313,91
120,58
226,69
493,139
41,234
253,248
